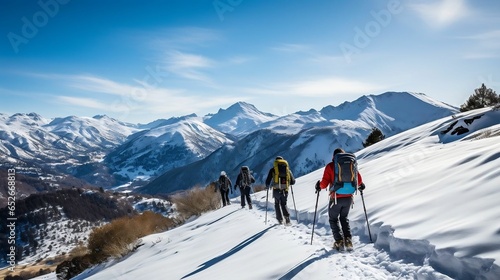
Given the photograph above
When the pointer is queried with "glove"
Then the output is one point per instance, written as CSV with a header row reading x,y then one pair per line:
x,y
317,187
362,186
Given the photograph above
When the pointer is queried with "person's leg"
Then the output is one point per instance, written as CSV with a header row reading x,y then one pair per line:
x,y
249,199
277,197
344,213
333,214
223,197
242,197
226,196
284,209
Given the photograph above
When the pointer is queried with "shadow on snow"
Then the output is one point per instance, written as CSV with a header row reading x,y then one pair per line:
x,y
233,250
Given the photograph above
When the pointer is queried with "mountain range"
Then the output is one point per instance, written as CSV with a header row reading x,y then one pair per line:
x,y
306,139
181,152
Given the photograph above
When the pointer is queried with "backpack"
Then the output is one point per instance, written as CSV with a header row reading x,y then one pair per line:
x,y
246,179
281,174
345,174
223,183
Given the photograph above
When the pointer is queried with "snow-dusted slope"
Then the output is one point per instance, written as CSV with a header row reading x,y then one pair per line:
x,y
443,186
239,119
173,143
432,205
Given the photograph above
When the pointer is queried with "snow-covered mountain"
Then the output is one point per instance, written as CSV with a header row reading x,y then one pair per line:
x,y
239,119
31,138
307,139
61,147
170,144
391,112
431,202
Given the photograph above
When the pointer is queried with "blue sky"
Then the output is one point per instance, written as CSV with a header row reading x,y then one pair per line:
x,y
139,61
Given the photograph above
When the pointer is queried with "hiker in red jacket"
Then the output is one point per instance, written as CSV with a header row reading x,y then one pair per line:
x,y
339,204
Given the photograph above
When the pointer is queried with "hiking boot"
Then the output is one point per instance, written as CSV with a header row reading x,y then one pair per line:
x,y
348,244
280,222
287,220
249,206
339,245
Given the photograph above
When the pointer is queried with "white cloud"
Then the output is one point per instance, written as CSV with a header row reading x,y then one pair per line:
x,y
442,13
320,87
142,100
187,65
484,45
83,102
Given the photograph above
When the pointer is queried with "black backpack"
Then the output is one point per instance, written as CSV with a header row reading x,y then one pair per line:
x,y
246,178
223,183
346,173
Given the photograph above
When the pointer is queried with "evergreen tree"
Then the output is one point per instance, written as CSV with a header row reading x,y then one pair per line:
x,y
374,137
482,97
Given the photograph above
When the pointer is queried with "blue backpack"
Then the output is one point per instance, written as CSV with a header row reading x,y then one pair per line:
x,y
345,174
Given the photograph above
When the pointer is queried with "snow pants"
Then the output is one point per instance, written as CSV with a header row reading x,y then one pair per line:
x,y
280,197
225,197
337,212
245,195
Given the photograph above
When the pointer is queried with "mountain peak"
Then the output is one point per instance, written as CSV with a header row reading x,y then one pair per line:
x,y
238,119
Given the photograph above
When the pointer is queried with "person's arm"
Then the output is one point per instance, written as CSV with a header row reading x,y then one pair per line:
x,y
270,176
361,185
327,176
238,181
292,179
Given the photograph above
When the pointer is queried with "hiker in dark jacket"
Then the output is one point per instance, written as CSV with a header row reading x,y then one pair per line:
x,y
244,181
280,191
224,186
339,206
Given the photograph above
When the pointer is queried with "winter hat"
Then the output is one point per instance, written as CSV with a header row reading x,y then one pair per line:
x,y
279,157
223,173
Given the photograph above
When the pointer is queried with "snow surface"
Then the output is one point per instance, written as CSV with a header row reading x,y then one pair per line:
x,y
432,204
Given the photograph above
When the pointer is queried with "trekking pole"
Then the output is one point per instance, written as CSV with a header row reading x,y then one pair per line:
x,y
315,210
267,199
293,197
366,216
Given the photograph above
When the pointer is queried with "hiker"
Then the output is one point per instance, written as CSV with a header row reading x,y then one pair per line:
x,y
244,180
224,186
341,195
280,177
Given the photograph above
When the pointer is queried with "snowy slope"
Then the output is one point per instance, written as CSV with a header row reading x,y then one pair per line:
x,y
431,199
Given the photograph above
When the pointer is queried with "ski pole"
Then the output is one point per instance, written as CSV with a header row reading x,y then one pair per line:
x,y
267,199
293,197
315,210
366,216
